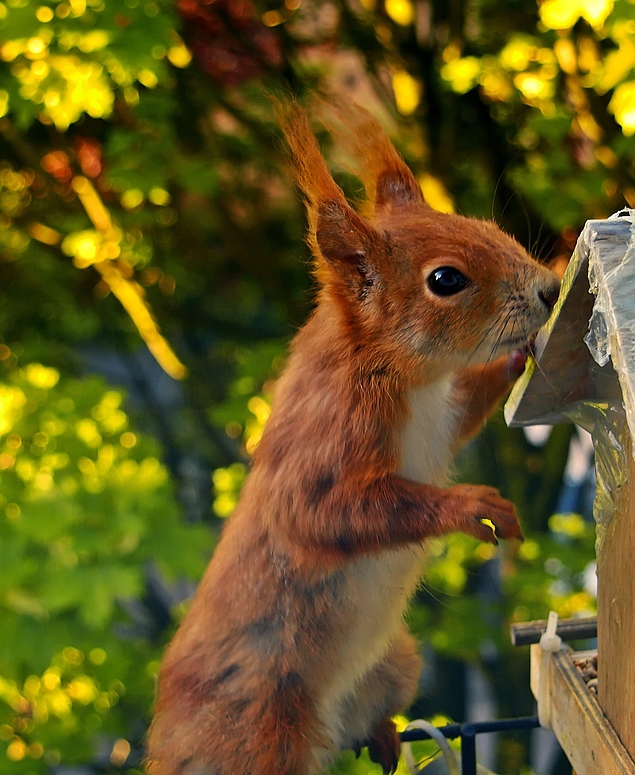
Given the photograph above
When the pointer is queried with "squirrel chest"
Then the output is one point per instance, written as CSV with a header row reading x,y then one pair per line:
x,y
381,583
378,586
428,436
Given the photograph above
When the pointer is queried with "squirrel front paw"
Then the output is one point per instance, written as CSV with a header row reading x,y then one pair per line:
x,y
479,503
516,361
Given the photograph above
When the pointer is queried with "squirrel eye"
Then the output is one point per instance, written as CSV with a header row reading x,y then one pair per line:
x,y
446,281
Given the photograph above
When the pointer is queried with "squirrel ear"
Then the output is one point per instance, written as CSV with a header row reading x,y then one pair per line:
x,y
348,244
397,186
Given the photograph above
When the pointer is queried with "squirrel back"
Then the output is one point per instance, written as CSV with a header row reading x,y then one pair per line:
x,y
294,646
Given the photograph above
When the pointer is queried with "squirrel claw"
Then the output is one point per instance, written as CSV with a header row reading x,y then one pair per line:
x,y
384,746
486,515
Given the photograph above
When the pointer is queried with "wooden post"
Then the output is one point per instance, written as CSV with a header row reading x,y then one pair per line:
x,y
590,379
616,616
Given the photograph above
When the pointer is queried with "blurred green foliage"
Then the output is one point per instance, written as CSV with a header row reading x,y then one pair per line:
x,y
86,506
144,198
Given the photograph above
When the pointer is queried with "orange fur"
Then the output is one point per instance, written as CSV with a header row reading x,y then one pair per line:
x,y
479,389
294,645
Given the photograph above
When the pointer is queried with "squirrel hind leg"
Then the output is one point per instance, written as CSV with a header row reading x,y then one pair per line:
x,y
387,688
266,730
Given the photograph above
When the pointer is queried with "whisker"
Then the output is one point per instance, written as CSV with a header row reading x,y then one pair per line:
x,y
432,591
542,372
550,384
498,183
545,250
533,249
527,219
507,203
489,357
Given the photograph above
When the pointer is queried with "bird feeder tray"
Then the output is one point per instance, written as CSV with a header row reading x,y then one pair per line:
x,y
585,735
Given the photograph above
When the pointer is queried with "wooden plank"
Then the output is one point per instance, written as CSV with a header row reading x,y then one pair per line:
x,y
589,741
616,616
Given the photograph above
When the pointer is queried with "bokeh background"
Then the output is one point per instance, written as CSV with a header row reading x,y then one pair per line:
x,y
153,271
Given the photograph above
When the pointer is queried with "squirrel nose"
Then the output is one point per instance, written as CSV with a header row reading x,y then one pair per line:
x,y
549,296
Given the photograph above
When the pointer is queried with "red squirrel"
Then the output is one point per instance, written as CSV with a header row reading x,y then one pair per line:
x,y
294,647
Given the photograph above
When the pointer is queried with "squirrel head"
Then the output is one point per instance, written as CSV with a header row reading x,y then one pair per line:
x,y
412,285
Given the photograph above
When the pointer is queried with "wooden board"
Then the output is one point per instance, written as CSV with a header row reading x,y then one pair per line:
x,y
616,616
589,741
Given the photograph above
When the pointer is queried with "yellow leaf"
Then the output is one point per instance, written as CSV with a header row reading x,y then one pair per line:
x,y
435,193
563,14
407,92
462,73
622,105
400,11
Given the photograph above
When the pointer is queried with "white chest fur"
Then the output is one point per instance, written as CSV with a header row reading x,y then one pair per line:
x,y
426,440
378,587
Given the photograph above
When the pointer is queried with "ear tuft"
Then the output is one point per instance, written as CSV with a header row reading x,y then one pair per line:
x,y
308,165
349,251
386,177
